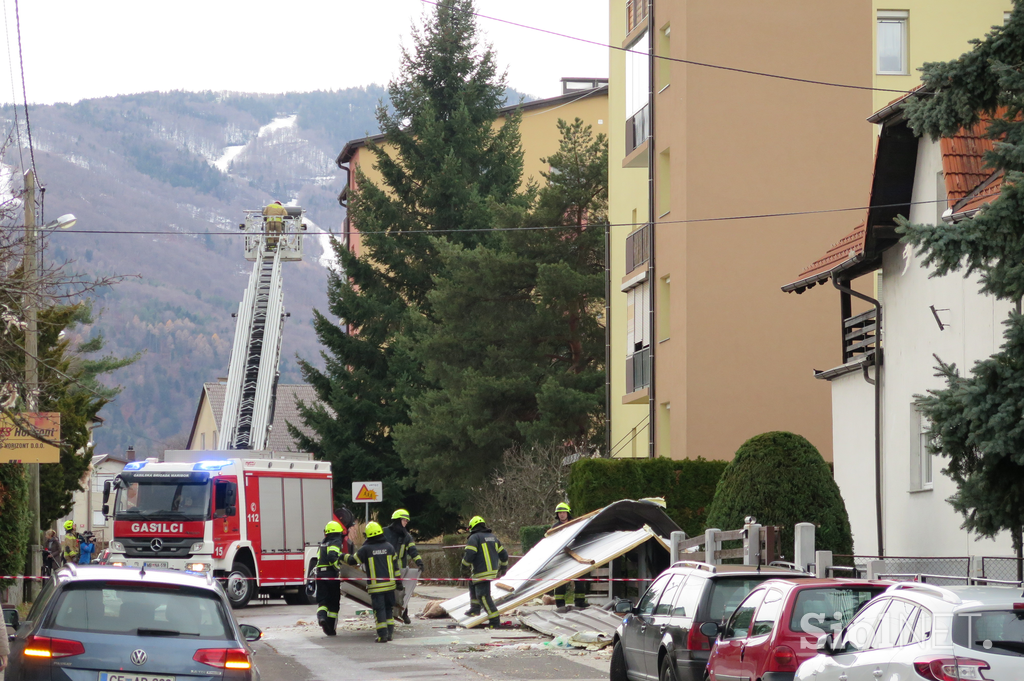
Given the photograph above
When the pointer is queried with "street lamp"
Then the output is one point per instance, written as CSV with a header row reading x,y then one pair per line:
x,y
63,222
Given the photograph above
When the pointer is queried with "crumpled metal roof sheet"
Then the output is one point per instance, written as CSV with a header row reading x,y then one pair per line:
x,y
596,538
553,623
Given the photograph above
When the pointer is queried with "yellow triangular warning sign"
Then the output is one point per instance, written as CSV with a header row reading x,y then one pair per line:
x,y
366,494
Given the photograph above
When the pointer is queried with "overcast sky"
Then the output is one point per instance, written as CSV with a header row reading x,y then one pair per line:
x,y
76,50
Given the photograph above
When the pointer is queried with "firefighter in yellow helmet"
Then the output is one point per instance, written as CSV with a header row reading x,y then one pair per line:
x,y
405,546
380,563
274,215
70,545
563,514
328,588
484,560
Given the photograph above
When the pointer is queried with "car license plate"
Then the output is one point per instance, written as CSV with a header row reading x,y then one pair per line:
x,y
156,563
118,676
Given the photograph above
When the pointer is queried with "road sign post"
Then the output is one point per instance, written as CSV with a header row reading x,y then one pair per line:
x,y
368,493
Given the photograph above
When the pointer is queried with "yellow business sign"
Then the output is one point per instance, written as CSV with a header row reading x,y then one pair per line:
x,y
20,443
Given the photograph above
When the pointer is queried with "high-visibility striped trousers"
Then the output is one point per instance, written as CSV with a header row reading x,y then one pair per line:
x,y
383,604
480,597
328,600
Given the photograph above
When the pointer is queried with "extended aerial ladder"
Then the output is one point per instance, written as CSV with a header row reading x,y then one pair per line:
x,y
256,352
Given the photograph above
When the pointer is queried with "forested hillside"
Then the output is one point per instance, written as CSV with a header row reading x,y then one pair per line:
x,y
154,167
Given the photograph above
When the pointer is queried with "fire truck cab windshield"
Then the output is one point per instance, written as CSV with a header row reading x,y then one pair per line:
x,y
163,498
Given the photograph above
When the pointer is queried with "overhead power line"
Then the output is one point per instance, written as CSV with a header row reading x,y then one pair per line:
x,y
24,95
762,74
14,95
758,216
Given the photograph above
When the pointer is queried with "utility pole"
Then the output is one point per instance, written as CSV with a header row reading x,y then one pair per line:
x,y
31,267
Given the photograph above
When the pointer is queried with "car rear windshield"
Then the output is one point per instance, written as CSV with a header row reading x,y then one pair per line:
x,y
828,609
142,610
1000,632
726,594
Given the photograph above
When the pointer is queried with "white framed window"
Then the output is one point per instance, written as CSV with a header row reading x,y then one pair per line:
x,y
891,39
922,476
638,83
98,519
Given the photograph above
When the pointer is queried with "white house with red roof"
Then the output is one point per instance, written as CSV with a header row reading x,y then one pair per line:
x,y
894,325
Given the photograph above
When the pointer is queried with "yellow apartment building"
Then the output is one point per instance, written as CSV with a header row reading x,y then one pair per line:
x,y
705,352
584,98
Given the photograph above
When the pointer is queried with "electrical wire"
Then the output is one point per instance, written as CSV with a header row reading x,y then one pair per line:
x,y
14,96
639,430
24,93
428,232
614,447
690,62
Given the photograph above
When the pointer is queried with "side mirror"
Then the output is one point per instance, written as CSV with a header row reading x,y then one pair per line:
x,y
826,645
106,510
623,606
710,629
106,493
250,632
15,619
231,511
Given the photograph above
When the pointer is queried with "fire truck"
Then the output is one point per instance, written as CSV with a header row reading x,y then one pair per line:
x,y
252,517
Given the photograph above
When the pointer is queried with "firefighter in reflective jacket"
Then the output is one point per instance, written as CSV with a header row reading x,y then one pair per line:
x,y
484,560
405,546
379,561
563,514
328,588
274,215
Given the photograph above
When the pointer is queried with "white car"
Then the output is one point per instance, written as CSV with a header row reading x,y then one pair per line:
x,y
920,631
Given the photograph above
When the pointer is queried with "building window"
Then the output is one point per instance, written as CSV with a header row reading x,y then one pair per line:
x,y
892,42
921,461
636,13
638,337
202,440
638,86
98,519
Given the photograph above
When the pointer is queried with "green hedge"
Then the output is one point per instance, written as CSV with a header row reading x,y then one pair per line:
x,y
14,528
781,479
688,486
529,535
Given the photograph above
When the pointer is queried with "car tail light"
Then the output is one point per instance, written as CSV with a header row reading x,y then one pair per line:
x,y
696,640
783,659
950,669
44,646
223,658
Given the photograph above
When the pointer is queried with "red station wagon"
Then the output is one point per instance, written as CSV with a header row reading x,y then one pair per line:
x,y
777,626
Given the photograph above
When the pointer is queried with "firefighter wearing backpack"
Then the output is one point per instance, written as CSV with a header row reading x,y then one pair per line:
x,y
563,514
328,588
404,545
484,560
379,561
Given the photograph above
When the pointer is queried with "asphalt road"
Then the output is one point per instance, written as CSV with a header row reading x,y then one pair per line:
x,y
294,649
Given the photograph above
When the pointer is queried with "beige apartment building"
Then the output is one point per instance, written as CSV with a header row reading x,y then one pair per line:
x,y
706,351
704,347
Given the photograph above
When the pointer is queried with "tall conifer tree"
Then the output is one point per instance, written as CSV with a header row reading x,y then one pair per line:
x,y
445,167
977,421
514,351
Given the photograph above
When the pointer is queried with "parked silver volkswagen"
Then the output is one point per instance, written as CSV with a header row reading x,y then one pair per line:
x,y
105,623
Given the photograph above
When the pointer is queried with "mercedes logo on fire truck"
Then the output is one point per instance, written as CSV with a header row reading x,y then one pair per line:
x,y
156,545
139,656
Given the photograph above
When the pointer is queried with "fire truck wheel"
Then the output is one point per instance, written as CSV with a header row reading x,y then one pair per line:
x,y
240,585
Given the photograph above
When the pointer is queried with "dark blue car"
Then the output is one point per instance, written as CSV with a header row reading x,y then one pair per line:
x,y
104,623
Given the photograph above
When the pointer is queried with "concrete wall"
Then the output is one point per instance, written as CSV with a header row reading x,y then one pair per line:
x,y
853,449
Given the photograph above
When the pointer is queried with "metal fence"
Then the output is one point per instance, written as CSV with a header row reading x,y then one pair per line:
x,y
941,571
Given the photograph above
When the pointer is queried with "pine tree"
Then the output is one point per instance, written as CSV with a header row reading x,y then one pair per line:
x,y
445,168
514,351
977,421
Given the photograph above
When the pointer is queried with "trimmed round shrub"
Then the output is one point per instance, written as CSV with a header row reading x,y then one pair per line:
x,y
781,479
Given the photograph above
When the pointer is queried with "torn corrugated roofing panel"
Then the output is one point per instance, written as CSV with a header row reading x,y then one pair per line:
x,y
571,551
548,621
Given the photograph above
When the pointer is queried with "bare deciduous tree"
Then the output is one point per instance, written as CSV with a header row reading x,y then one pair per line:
x,y
527,486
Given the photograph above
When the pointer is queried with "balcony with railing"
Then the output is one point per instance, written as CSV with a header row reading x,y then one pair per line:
x,y
860,336
638,248
636,13
638,370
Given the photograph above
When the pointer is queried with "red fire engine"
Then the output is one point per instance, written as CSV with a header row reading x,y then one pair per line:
x,y
254,521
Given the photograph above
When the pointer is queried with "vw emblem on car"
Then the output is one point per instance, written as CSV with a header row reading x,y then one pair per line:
x,y
139,656
156,545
